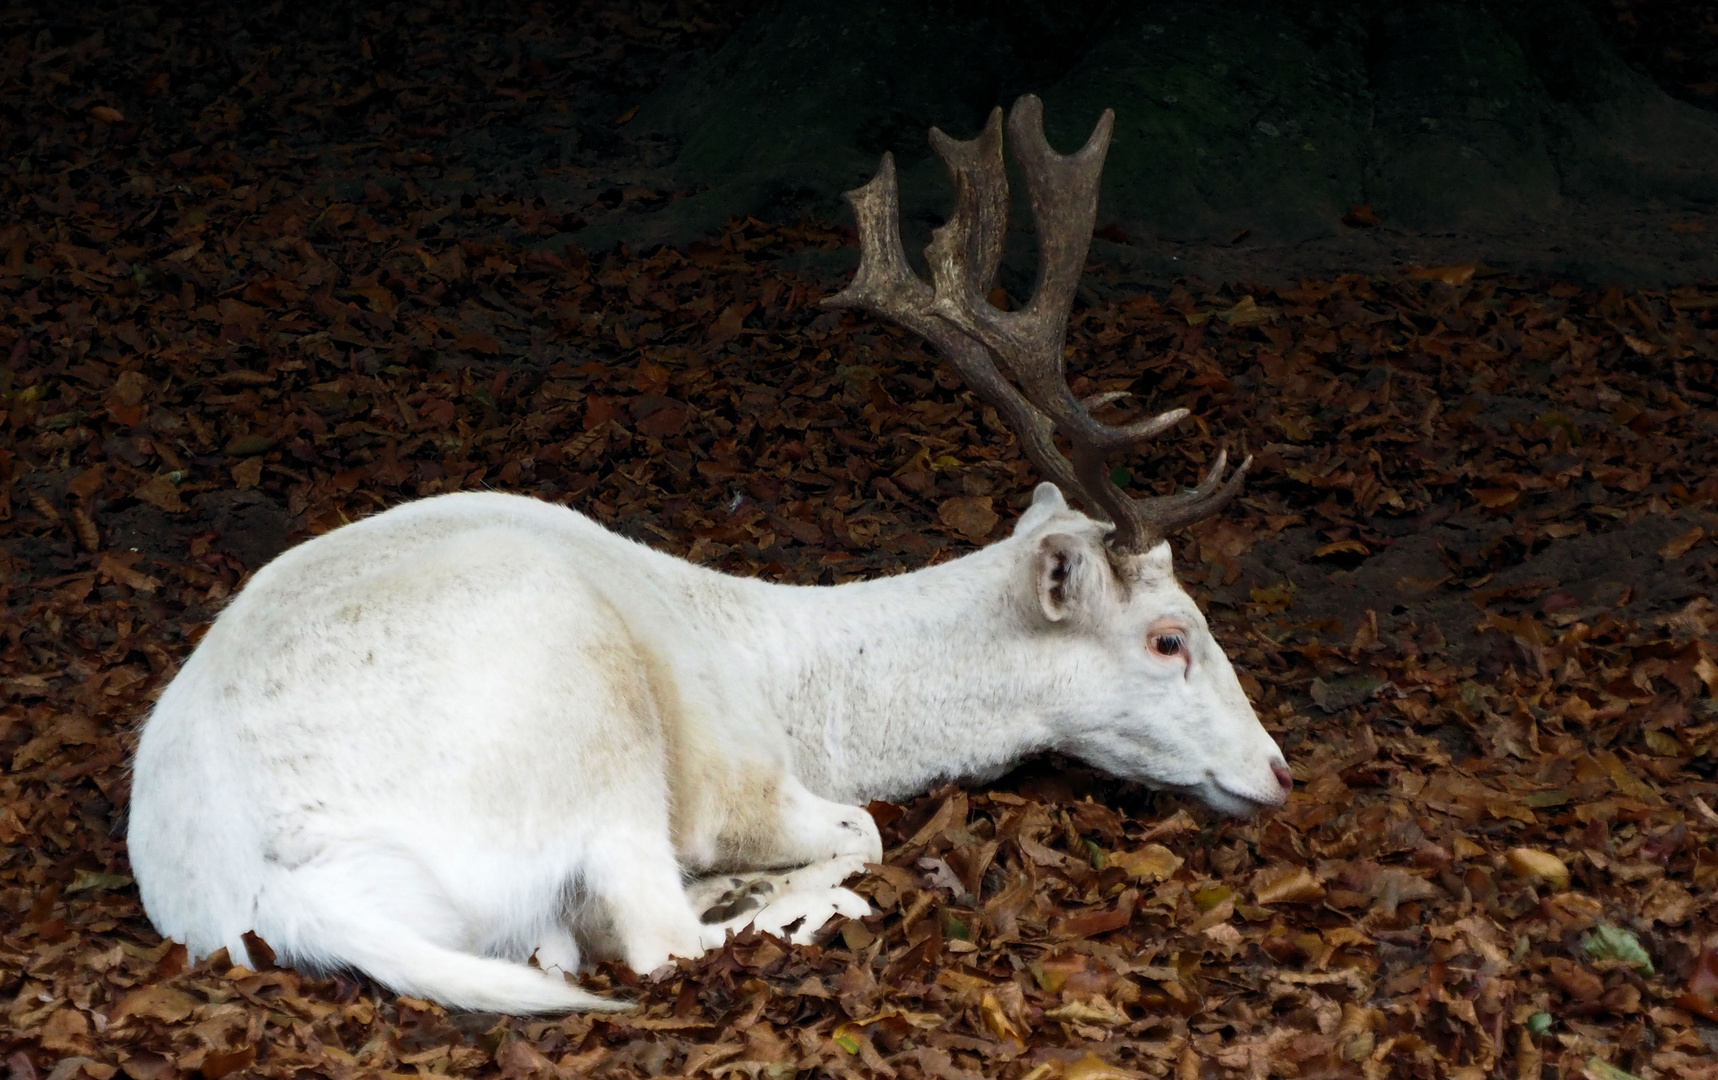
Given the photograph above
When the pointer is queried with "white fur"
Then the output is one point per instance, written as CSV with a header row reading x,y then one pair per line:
x,y
479,729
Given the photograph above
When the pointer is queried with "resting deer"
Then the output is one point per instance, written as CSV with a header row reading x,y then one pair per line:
x,y
479,730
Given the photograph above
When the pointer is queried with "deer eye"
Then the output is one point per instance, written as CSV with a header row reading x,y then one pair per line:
x,y
1168,644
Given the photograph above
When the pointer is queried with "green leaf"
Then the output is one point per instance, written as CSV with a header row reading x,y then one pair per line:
x,y
1539,1023
955,928
1121,476
847,1042
1600,1069
1096,854
1608,942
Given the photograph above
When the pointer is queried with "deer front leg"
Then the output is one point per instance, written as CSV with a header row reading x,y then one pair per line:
x,y
787,865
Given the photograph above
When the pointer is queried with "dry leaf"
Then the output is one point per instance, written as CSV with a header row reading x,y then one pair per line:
x,y
969,515
1533,863
1678,545
1153,862
1286,885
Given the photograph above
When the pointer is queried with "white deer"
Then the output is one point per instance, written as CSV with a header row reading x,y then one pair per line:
x,y
480,730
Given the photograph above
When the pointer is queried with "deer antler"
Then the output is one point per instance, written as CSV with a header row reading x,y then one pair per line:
x,y
954,315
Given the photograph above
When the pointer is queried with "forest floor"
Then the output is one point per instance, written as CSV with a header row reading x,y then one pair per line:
x,y
1469,585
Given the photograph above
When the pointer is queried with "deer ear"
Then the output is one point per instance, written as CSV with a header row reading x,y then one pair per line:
x,y
1047,501
1068,575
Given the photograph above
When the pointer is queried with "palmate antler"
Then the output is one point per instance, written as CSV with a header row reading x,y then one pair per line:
x,y
953,314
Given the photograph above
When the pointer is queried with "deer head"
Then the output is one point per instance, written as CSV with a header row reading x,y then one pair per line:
x,y
1158,701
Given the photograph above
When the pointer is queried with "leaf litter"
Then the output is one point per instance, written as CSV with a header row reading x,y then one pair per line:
x,y
1469,588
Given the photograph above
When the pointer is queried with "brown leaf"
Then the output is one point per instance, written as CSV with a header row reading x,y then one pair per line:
x,y
1678,546
161,493
1574,980
66,1031
156,1002
115,569
247,474
148,1065
969,515
727,325
478,342
1286,885
1496,498
221,1063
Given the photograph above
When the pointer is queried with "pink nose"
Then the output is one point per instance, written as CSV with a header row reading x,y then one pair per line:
x,y
1284,777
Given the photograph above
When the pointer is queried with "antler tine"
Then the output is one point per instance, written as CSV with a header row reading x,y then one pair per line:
x,y
972,240
1142,523
1064,194
886,286
884,282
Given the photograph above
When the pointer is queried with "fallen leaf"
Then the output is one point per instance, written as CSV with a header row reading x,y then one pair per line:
x,y
1361,216
1092,1067
1608,942
1533,863
1153,862
1496,498
478,343
1286,885
96,881
1449,275
1599,1069
1341,547
969,515
1678,546
162,493
156,1002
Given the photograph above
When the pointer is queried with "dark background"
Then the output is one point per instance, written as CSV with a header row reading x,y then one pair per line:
x,y
1569,138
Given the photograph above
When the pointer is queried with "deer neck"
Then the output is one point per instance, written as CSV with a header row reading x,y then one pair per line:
x,y
888,687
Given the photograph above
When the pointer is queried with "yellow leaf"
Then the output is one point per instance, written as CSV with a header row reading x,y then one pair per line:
x,y
1533,863
1496,498
1342,547
107,114
1664,745
996,1020
1096,1011
1275,598
1153,862
1644,348
1246,312
1093,1067
1678,546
